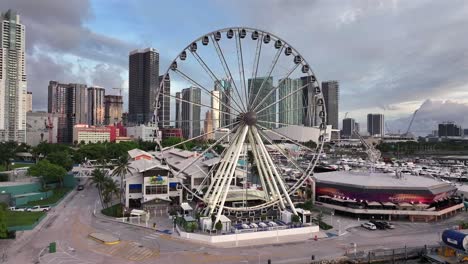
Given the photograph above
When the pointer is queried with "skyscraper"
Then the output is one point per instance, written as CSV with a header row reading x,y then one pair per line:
x,y
309,113
96,105
178,110
113,109
164,110
208,125
290,109
216,107
12,78
69,102
191,112
349,125
331,93
224,87
266,111
375,125
450,129
29,102
143,82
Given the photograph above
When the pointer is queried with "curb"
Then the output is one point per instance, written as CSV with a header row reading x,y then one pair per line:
x,y
104,242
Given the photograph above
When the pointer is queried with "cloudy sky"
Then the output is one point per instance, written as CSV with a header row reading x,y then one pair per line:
x,y
389,56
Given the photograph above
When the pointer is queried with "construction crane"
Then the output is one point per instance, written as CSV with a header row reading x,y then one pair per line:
x,y
49,126
407,134
345,115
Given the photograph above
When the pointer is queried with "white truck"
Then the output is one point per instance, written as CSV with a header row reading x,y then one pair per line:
x,y
40,208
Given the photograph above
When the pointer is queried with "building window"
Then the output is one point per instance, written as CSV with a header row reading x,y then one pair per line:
x,y
156,189
135,188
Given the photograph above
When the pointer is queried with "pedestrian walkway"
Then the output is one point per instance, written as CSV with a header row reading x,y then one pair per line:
x,y
151,237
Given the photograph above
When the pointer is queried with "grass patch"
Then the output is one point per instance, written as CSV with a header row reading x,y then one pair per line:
x,y
325,226
14,218
113,211
56,196
17,165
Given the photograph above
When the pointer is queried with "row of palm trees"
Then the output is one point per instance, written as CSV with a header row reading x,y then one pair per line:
x,y
107,187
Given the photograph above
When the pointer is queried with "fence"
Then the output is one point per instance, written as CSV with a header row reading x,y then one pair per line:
x,y
387,255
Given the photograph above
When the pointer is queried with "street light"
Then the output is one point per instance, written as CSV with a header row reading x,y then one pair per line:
x,y
339,227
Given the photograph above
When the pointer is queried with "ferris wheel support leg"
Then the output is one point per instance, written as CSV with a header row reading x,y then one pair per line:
x,y
275,174
239,144
219,179
216,178
271,178
263,167
312,187
260,170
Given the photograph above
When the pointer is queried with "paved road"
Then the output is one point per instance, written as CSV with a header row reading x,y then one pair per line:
x,y
71,222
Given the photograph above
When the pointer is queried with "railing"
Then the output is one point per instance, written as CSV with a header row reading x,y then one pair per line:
x,y
387,255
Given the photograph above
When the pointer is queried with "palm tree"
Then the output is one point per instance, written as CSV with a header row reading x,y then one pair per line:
x,y
98,178
121,169
109,189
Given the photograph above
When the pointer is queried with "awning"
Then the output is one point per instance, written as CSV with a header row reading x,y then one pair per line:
x,y
137,212
405,205
186,207
389,204
374,204
421,205
324,196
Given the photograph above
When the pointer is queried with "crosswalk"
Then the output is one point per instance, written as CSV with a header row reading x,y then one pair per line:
x,y
128,250
151,237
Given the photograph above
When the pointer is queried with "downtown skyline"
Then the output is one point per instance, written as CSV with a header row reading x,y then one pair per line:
x,y
374,71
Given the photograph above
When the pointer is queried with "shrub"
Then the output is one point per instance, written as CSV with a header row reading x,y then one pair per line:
x,y
3,177
219,226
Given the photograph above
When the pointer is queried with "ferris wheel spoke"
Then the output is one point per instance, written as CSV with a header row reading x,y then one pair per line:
x,y
278,86
198,104
272,67
201,155
282,112
258,52
284,97
212,75
284,136
285,154
240,63
200,136
220,53
276,123
185,76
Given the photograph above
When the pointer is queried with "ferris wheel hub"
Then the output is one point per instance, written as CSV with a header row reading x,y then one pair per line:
x,y
250,118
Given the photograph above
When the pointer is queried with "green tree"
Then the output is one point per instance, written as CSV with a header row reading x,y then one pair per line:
x,y
219,226
7,153
48,172
98,178
121,169
3,226
310,144
171,141
109,189
61,158
295,219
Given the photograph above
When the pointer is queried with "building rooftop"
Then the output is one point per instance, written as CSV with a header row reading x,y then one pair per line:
x,y
367,180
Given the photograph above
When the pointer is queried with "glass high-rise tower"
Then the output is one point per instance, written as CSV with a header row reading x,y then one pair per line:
x,y
267,108
12,78
143,82
291,108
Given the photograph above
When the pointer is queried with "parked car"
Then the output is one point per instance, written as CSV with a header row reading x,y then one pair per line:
x,y
40,208
253,225
369,226
18,209
378,224
80,187
263,225
389,225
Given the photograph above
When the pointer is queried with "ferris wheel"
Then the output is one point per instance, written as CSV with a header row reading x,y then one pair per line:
x,y
240,88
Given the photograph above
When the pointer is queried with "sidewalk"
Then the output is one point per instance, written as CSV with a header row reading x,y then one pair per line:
x,y
163,223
